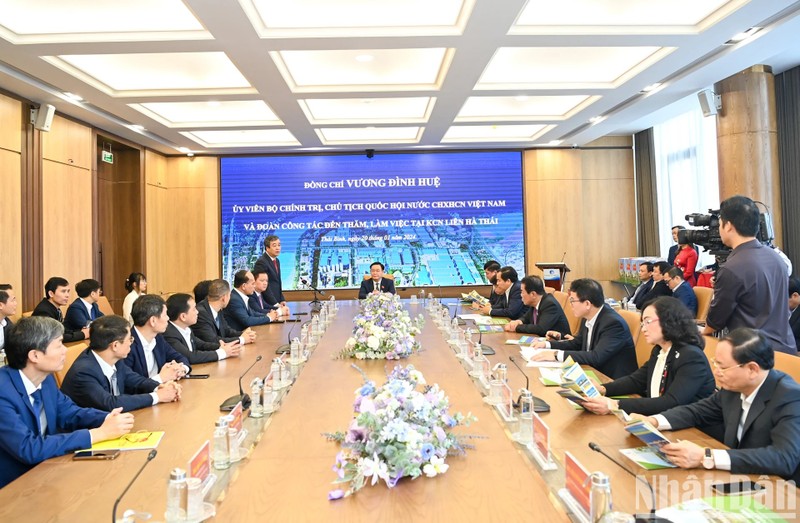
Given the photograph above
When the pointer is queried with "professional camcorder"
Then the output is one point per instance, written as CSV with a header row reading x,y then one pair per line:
x,y
706,235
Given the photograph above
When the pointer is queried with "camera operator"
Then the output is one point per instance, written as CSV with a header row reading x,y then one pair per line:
x,y
750,288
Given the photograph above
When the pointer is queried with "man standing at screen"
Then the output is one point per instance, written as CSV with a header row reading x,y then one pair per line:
x,y
269,263
376,282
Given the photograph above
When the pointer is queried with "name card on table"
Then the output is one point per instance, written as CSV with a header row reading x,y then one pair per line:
x,y
236,414
506,405
200,467
541,444
577,489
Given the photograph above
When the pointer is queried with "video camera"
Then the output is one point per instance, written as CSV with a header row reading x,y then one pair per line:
x,y
707,233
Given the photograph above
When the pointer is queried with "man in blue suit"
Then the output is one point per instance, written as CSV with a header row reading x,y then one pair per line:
x,y
238,313
151,355
376,282
100,380
84,309
681,290
37,421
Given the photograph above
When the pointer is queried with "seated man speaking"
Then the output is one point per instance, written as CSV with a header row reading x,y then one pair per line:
x,y
544,312
37,421
509,295
758,406
376,283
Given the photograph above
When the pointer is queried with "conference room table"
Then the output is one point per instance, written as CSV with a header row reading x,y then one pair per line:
x,y
288,471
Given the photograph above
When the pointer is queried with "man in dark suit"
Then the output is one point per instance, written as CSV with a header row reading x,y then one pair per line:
x,y
509,301
8,308
238,313
37,421
211,325
645,284
56,292
376,282
84,309
182,313
269,263
544,312
98,378
151,356
490,269
794,307
758,406
604,340
660,287
257,302
681,290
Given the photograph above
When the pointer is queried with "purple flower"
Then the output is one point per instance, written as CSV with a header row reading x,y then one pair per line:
x,y
335,494
426,450
355,433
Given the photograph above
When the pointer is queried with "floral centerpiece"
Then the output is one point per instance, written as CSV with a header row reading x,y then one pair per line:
x,y
402,429
383,329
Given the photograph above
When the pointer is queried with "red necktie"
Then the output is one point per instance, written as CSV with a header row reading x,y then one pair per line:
x,y
275,263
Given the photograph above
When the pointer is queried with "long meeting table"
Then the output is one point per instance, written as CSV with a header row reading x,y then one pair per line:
x,y
288,471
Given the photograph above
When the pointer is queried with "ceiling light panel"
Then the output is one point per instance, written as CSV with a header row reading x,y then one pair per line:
x,y
621,16
243,138
368,135
566,67
209,114
494,133
143,74
368,110
92,21
341,71
357,18
493,108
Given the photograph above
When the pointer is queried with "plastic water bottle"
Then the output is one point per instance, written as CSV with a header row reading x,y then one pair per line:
x,y
220,453
176,496
600,496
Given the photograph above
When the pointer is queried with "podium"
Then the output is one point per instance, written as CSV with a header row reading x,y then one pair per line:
x,y
554,274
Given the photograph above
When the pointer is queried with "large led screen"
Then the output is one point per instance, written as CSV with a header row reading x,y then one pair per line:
x,y
432,219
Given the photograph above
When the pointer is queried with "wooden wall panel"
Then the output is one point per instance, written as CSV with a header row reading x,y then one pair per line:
x,y
68,142
157,247
66,221
11,218
11,130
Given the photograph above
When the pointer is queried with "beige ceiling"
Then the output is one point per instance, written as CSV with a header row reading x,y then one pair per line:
x,y
227,76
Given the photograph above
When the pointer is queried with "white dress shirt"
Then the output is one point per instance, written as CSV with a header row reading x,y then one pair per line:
x,y
589,328
108,372
149,357
658,372
187,337
30,388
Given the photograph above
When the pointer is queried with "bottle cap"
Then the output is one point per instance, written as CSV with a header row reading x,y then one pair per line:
x,y
177,474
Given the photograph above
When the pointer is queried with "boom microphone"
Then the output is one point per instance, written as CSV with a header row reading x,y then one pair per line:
x,y
455,311
539,405
116,502
305,282
640,518
286,347
230,403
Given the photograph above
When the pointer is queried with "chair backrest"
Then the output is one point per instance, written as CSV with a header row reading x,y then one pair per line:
x,y
104,306
703,295
561,297
643,349
27,314
73,351
710,351
549,290
574,321
789,364
635,325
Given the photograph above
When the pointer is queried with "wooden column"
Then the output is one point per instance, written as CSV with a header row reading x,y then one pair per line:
x,y
747,140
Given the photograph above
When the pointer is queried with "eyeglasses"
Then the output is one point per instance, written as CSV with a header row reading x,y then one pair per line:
x,y
575,300
722,370
136,437
647,321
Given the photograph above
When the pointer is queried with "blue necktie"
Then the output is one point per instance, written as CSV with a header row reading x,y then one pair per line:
x,y
92,315
38,406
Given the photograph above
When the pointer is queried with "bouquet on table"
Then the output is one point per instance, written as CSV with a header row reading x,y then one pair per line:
x,y
382,330
398,431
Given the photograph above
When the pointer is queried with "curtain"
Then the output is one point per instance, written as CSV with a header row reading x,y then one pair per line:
x,y
787,98
647,237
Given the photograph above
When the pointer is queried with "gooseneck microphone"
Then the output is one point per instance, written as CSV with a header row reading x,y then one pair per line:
x,y
485,349
116,502
639,517
539,405
286,347
313,288
230,403
455,306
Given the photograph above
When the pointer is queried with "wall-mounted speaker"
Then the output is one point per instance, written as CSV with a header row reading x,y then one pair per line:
x,y
42,118
710,103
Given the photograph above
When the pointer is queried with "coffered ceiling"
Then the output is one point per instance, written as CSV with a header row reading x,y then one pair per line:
x,y
252,76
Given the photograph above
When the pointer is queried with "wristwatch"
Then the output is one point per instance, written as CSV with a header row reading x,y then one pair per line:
x,y
708,459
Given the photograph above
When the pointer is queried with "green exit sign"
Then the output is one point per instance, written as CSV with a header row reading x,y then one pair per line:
x,y
108,157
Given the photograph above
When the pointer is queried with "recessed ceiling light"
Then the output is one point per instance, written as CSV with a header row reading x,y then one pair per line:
x,y
521,98
744,35
364,58
596,119
184,150
553,143
213,103
651,87
74,97
138,128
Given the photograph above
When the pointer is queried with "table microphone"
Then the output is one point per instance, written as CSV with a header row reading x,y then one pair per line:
x,y
230,403
485,349
640,518
455,311
305,282
116,502
539,405
286,347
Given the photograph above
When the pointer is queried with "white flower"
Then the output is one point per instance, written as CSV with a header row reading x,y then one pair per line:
x,y
375,468
436,466
373,342
360,355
